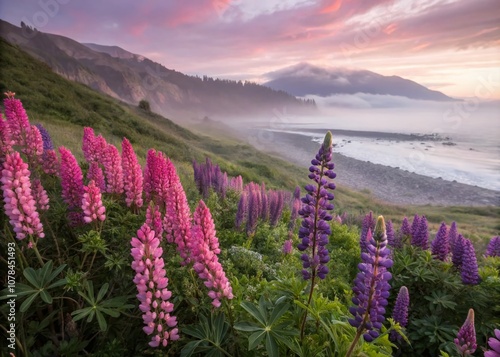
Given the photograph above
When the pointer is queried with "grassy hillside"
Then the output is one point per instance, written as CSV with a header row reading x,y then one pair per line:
x,y
65,107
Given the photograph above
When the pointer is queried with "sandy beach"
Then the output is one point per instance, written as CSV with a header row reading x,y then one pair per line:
x,y
385,183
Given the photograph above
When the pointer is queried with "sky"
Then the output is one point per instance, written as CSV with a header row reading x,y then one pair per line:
x,y
448,45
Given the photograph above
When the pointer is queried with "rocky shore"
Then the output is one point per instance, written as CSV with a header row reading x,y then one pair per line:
x,y
385,183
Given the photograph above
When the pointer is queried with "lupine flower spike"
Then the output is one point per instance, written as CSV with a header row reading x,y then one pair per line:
x,y
132,175
494,343
371,287
152,282
440,246
17,119
93,209
315,229
400,312
466,338
20,205
469,271
493,249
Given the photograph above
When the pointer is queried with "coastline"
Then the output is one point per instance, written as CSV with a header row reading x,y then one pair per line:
x,y
386,183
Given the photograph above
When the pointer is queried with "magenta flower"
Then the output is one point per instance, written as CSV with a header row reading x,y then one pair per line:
x,y
93,209
71,179
40,195
94,147
466,338
177,220
236,183
132,175
113,171
440,246
50,163
152,282
493,249
494,343
5,139
17,119
154,219
20,206
95,174
156,178
469,271
34,147
288,246
205,250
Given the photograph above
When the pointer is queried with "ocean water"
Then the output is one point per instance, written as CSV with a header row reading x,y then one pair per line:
x,y
447,142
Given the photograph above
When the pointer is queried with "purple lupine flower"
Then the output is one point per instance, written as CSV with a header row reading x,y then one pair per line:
x,y
371,285
368,224
278,198
295,208
265,210
493,249
466,338
440,246
457,251
254,205
400,312
469,270
242,209
47,140
391,237
494,343
288,246
315,229
415,224
452,235
405,227
421,236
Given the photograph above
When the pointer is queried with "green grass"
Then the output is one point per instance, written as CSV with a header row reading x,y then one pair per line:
x,y
65,107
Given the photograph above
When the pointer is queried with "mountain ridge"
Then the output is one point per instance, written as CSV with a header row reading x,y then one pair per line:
x,y
305,79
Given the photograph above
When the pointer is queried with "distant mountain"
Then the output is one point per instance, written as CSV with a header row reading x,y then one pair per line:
x,y
131,78
304,78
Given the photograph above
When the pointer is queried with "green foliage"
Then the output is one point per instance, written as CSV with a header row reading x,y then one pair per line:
x,y
210,335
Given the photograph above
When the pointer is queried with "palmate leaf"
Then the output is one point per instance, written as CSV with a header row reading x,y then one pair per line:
x,y
211,335
256,338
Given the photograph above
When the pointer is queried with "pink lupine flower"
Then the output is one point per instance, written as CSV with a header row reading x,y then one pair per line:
x,y
157,177
93,147
152,282
288,246
71,179
5,139
40,196
132,175
177,220
17,119
34,146
154,219
92,206
203,219
113,171
95,173
50,163
204,254
20,206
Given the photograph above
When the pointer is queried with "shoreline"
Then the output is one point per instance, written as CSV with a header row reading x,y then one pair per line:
x,y
386,183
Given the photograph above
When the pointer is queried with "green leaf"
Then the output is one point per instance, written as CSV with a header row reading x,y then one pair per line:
x,y
252,310
246,326
102,292
46,296
81,313
101,320
190,347
278,312
57,283
31,275
45,273
191,331
255,339
27,303
271,346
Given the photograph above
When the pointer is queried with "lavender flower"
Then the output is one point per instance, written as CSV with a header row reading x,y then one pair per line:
x,y
421,236
400,312
389,229
405,227
494,343
371,287
47,140
452,235
315,229
493,249
242,209
415,226
440,246
288,246
254,206
294,209
457,251
466,338
368,224
277,207
469,270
